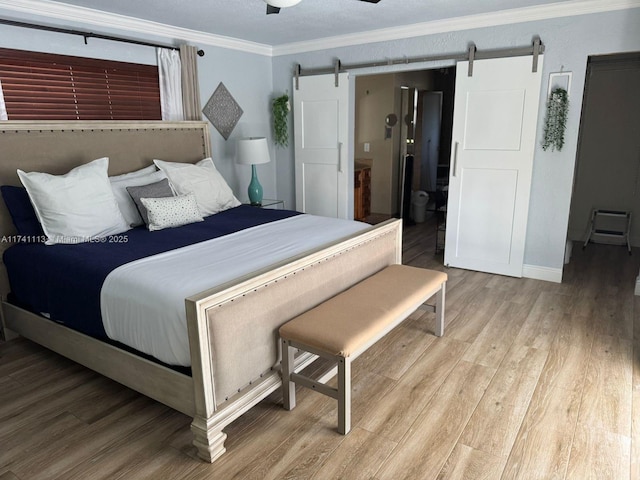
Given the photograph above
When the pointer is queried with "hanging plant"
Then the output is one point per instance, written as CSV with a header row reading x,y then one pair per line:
x,y
555,121
280,107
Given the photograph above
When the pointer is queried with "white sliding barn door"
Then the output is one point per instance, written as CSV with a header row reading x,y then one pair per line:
x,y
321,135
494,138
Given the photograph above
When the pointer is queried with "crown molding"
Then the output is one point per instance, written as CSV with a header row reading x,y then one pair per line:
x,y
83,15
492,19
87,16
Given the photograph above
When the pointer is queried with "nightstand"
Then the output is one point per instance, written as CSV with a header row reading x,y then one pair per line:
x,y
269,203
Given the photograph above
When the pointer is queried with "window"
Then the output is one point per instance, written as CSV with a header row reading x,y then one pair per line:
x,y
42,86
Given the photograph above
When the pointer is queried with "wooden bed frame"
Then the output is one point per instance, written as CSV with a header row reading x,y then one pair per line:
x,y
235,355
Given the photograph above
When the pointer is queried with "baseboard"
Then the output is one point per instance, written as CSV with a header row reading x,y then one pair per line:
x,y
637,292
542,273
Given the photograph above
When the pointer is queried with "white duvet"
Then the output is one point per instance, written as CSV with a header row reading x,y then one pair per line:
x,y
142,302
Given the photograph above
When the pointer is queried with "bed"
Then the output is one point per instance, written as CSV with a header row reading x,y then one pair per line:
x,y
231,327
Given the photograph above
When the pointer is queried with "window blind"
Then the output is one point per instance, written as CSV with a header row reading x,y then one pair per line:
x,y
42,86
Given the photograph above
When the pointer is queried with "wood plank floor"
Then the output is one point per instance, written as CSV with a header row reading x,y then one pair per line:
x,y
532,380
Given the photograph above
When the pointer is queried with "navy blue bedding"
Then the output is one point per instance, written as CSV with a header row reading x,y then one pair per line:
x,y
65,280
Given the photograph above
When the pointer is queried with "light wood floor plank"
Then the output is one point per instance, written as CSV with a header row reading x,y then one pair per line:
x,y
524,291
24,395
167,463
606,401
462,291
543,321
129,451
392,416
425,448
20,353
635,414
405,344
47,407
569,354
495,340
599,455
358,458
543,444
615,314
636,318
476,313
539,454
36,439
466,463
86,442
105,397
8,476
494,425
416,398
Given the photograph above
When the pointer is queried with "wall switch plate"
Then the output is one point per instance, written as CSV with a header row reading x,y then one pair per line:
x,y
367,146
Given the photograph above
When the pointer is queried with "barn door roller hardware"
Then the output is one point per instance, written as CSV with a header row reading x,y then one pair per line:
x,y
472,54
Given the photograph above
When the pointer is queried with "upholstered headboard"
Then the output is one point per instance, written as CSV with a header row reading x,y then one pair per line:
x,y
57,147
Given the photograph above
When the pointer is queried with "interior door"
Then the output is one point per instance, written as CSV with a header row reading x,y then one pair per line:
x,y
321,134
494,137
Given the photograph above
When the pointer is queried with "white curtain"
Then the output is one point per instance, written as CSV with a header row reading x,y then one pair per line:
x,y
170,76
3,108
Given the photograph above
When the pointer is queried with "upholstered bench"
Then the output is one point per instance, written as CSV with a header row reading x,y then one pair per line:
x,y
345,326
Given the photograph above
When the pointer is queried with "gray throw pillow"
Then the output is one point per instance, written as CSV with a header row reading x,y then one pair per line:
x,y
159,189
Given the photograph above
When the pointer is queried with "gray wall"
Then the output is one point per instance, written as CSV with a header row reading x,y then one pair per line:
x,y
254,80
608,166
247,76
568,41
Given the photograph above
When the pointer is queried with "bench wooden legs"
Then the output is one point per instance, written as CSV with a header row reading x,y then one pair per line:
x,y
438,308
440,311
342,393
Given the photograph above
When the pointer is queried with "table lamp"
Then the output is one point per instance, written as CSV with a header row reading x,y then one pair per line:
x,y
253,151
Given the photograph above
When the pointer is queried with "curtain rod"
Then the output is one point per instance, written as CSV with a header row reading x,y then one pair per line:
x,y
88,34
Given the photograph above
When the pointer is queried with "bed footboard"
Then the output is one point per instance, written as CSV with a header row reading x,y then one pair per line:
x,y
235,353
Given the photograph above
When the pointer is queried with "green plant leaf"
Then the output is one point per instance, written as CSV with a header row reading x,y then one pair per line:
x,y
280,109
555,121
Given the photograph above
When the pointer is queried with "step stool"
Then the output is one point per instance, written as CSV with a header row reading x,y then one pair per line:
x,y
610,224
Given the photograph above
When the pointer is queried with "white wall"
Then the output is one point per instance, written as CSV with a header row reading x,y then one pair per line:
x,y
247,76
568,41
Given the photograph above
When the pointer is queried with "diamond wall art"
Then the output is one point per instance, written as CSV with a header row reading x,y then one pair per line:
x,y
223,111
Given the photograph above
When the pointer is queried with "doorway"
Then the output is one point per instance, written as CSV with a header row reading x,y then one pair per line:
x,y
400,114
608,160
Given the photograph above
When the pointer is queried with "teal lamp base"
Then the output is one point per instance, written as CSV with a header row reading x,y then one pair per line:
x,y
255,189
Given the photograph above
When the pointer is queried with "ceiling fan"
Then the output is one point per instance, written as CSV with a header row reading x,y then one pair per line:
x,y
274,6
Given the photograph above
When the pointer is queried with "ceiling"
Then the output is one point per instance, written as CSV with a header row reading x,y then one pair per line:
x,y
309,20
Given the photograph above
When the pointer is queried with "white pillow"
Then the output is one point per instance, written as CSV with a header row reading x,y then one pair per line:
x,y
204,181
168,212
137,173
76,207
125,202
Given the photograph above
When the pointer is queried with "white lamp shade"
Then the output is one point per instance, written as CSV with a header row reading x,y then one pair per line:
x,y
282,3
252,151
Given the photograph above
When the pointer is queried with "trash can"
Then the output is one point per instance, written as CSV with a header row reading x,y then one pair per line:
x,y
419,200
